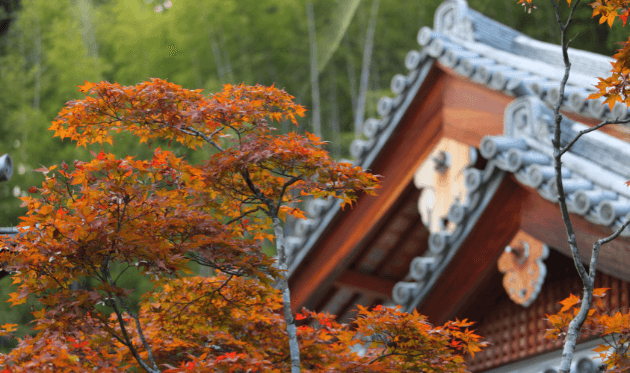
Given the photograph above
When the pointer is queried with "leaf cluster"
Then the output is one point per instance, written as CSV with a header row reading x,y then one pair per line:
x,y
159,214
238,339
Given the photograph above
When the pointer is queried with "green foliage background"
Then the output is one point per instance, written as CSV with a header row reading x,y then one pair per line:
x,y
52,46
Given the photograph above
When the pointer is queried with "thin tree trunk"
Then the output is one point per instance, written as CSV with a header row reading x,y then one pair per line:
x,y
38,62
588,278
226,57
341,14
23,104
334,111
365,71
195,65
375,84
273,73
573,332
375,76
246,72
246,64
352,79
294,347
84,8
310,20
216,53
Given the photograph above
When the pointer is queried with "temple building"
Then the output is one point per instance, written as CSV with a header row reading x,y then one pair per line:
x,y
466,223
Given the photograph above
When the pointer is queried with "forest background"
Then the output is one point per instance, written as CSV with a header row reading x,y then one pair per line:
x,y
49,47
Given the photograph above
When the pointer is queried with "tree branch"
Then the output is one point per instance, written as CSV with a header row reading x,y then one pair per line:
x,y
556,148
291,181
123,330
588,279
583,132
243,215
602,241
194,132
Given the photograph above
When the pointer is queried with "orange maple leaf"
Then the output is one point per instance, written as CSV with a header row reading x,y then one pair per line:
x,y
571,301
86,87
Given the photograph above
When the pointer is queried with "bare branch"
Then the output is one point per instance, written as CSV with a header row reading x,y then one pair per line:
x,y
227,269
583,132
194,132
243,215
123,330
566,25
597,245
575,325
556,149
291,181
616,234
382,357
210,294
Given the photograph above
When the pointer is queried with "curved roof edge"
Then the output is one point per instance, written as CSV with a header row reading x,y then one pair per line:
x,y
595,169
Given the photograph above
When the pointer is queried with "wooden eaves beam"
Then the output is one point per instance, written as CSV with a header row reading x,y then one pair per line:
x,y
369,285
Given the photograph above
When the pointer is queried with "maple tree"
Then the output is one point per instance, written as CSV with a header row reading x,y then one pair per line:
x,y
580,311
95,220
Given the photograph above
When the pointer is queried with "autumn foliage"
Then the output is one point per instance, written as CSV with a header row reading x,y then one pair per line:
x,y
612,325
98,218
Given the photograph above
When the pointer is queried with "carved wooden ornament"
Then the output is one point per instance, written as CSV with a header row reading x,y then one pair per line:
x,y
522,263
441,178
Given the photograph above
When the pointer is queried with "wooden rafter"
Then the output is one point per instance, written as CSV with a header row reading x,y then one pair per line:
x,y
345,236
370,285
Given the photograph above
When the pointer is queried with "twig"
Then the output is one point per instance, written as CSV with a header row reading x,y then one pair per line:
x,y
123,330
243,215
194,132
591,129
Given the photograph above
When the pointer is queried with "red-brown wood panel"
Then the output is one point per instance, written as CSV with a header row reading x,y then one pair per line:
x,y
419,131
472,111
476,259
467,105
541,219
370,285
451,106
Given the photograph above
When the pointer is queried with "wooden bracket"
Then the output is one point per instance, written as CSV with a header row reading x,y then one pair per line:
x,y
441,178
522,264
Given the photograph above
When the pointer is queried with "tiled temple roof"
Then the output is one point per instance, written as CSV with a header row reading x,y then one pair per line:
x,y
502,59
10,231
